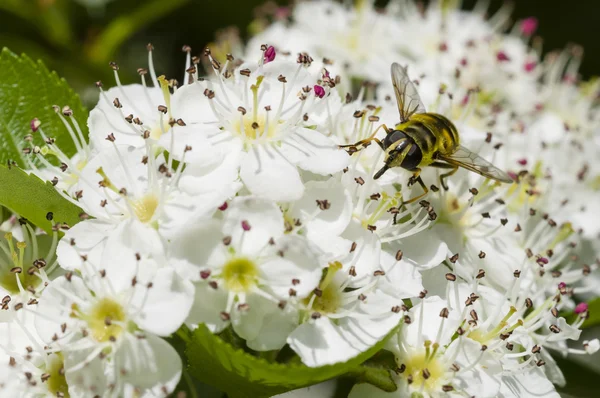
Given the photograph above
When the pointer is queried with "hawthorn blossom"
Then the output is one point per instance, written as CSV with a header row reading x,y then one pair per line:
x,y
106,323
339,323
257,112
247,272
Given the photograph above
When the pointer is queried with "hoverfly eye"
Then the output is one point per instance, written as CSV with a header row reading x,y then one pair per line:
x,y
393,137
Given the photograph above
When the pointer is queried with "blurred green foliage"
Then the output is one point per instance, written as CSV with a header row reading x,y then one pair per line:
x,y
78,38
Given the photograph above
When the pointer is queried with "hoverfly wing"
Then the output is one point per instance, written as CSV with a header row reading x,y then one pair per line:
x,y
407,96
475,163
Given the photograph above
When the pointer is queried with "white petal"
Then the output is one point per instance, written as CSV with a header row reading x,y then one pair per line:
x,y
56,307
264,325
269,174
200,178
191,105
207,307
531,384
365,258
423,251
165,305
403,279
85,238
90,377
124,168
322,342
298,263
264,219
331,221
148,363
136,100
312,151
198,247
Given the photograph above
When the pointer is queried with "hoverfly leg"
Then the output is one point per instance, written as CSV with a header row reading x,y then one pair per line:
x,y
443,176
446,175
416,178
367,141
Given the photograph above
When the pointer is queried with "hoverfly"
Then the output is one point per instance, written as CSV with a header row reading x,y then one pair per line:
x,y
424,139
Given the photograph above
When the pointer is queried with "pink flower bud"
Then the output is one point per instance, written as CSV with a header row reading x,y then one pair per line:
x,y
529,26
223,207
581,308
35,124
522,162
319,91
502,57
269,55
529,66
562,285
245,226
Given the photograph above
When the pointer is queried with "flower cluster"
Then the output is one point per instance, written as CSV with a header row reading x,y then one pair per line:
x,y
226,200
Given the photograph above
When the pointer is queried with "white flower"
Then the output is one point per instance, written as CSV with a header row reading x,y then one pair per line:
x,y
256,111
432,362
339,323
137,202
133,113
66,175
106,324
247,273
357,38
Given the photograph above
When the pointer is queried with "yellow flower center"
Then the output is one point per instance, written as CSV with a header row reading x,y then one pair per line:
x,y
330,298
13,266
240,275
251,128
145,207
106,319
425,371
57,383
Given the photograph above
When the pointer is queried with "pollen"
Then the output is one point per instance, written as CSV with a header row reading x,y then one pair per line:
x,y
252,128
145,207
425,371
106,319
240,275
157,129
57,381
327,299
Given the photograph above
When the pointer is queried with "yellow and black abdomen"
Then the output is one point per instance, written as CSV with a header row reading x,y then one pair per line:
x,y
433,134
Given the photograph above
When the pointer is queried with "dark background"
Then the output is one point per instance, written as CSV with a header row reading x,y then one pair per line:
x,y
79,41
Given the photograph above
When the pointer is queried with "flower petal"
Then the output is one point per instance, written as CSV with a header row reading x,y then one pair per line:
x,y
85,238
268,174
328,221
198,247
164,306
295,267
149,363
207,307
313,151
252,222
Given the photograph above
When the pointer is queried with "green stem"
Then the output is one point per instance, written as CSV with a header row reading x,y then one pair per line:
x,y
123,27
184,334
189,382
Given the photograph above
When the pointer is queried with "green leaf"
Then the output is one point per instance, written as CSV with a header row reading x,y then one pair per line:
x,y
376,371
582,381
593,311
28,90
31,198
215,362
